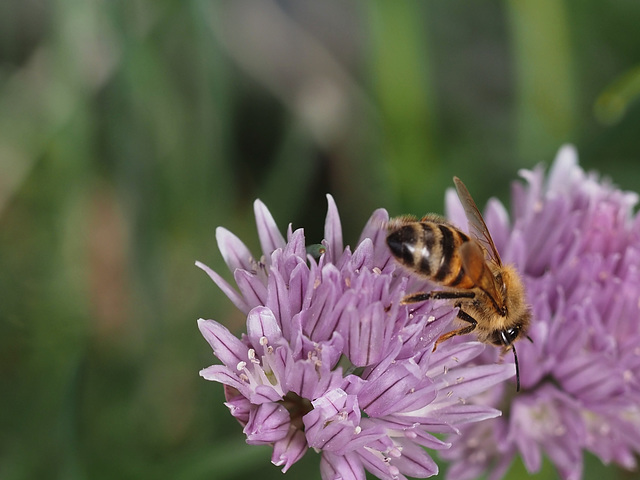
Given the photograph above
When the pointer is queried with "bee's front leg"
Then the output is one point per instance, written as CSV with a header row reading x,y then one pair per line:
x,y
462,315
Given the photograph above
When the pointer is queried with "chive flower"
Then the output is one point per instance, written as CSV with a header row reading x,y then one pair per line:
x,y
576,241
332,361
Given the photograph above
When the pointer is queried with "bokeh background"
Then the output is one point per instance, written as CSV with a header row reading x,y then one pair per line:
x,y
130,129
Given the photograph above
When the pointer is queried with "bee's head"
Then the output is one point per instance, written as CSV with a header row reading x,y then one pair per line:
x,y
516,311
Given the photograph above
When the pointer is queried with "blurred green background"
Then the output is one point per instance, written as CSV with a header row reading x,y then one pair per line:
x,y
130,129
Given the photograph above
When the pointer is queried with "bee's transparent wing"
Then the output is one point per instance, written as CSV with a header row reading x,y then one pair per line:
x,y
477,228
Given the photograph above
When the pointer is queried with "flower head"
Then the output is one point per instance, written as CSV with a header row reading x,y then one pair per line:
x,y
576,241
331,359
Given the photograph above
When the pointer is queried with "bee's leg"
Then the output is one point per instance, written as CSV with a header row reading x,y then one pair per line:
x,y
462,315
437,295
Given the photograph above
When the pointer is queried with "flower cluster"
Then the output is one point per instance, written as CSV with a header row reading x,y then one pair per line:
x,y
331,359
576,241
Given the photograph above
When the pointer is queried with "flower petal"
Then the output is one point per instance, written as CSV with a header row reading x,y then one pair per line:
x,y
262,324
379,466
366,335
270,237
376,230
380,397
264,394
289,449
226,346
451,356
564,171
239,407
278,301
227,289
298,282
363,255
234,252
224,375
461,414
333,421
341,467
268,423
414,460
333,231
252,288
462,383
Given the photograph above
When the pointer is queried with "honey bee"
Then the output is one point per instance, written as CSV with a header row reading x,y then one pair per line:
x,y
489,294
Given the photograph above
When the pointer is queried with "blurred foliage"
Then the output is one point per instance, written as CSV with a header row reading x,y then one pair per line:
x,y
130,129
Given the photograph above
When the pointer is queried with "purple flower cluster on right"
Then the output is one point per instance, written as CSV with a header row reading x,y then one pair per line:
x,y
576,241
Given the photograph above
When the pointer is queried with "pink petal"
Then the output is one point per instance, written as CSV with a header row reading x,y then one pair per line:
x,y
268,423
252,288
290,449
333,231
226,346
341,467
261,323
468,381
414,460
270,237
234,252
278,301
227,289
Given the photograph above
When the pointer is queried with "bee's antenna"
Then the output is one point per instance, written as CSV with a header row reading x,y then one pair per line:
x,y
509,345
515,358
529,338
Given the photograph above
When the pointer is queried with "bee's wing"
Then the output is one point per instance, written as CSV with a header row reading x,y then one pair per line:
x,y
477,227
475,266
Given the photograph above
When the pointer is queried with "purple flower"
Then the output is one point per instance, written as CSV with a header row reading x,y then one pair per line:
x,y
332,361
576,241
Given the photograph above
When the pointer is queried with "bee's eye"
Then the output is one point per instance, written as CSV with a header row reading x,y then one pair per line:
x,y
504,338
497,338
511,334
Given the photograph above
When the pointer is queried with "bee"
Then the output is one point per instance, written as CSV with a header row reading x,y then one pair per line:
x,y
489,295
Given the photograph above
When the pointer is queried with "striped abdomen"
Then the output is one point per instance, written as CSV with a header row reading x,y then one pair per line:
x,y
431,249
